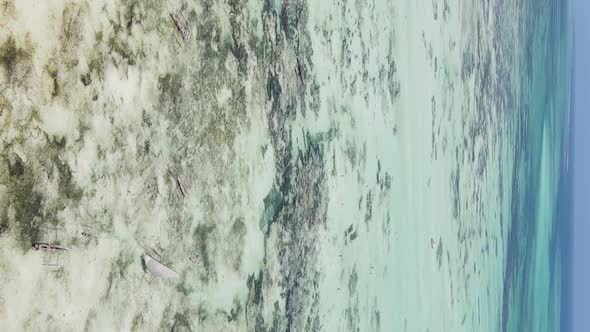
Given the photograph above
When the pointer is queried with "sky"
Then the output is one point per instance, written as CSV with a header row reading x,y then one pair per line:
x,y
581,163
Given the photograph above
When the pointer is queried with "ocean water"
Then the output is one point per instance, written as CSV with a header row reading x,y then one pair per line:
x,y
534,274
334,165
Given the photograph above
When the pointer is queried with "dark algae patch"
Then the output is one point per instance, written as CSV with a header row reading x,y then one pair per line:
x,y
86,79
201,236
237,234
181,323
25,201
439,251
66,188
26,209
14,58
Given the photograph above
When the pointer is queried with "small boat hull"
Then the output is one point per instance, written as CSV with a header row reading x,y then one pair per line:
x,y
158,269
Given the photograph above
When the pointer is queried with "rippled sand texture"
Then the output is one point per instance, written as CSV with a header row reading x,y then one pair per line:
x,y
320,147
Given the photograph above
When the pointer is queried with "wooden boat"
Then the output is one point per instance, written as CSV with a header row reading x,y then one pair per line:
x,y
182,30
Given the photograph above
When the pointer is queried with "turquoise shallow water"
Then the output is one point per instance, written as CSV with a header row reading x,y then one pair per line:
x,y
533,275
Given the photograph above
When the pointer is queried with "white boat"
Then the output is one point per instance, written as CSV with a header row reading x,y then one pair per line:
x,y
158,269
